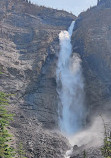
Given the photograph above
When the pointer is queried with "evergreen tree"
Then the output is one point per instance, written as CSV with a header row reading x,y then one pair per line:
x,y
21,151
5,150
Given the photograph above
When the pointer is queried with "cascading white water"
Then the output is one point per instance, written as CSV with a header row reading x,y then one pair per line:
x,y
70,85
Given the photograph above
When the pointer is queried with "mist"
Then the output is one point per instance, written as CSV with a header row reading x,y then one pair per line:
x,y
70,86
92,136
71,105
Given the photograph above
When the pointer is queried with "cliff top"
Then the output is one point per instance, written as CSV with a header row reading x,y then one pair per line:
x,y
104,3
47,16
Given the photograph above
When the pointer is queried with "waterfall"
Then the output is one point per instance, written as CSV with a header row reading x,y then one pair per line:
x,y
70,85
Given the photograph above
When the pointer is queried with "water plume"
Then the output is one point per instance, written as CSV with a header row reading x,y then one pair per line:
x,y
70,86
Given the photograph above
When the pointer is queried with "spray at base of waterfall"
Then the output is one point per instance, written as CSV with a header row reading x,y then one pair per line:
x,y
70,88
91,137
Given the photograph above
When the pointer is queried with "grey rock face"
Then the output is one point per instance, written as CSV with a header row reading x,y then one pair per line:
x,y
104,3
91,39
28,46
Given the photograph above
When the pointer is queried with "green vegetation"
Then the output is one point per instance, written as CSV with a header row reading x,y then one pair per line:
x,y
106,150
5,150
84,154
1,72
21,151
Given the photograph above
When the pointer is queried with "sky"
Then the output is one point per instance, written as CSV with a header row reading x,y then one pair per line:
x,y
74,6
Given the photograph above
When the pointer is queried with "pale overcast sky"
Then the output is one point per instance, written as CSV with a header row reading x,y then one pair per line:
x,y
74,6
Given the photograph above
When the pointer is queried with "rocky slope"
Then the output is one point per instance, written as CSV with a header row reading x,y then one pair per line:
x,y
28,56
28,46
92,40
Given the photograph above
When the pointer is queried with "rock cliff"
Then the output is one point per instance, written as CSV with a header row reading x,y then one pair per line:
x,y
28,56
91,39
28,46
